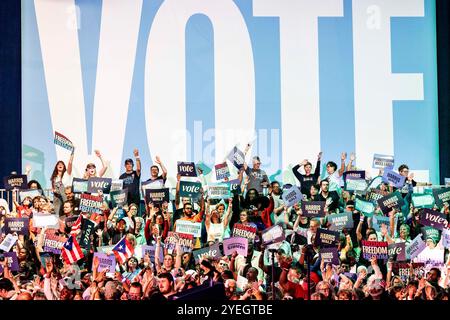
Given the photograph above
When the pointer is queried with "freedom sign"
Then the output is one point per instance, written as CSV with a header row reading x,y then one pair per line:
x,y
15,181
105,262
422,200
326,238
403,270
53,243
374,195
330,255
79,185
313,209
240,245
187,227
186,169
190,189
273,234
95,185
91,204
157,195
219,191
62,141
397,251
291,196
119,198
434,219
340,221
222,171
441,196
394,179
244,231
208,252
19,225
378,249
237,158
186,241
391,201
381,161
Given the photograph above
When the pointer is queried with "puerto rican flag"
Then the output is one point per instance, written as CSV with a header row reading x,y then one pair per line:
x,y
76,227
123,250
71,251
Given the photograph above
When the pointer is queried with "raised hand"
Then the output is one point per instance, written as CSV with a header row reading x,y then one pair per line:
x,y
343,156
352,156
158,160
97,153
136,152
319,156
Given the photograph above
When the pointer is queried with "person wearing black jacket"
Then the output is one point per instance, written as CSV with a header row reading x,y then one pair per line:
x,y
307,179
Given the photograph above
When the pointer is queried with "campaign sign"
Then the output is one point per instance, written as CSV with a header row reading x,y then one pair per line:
x,y
187,227
291,196
79,185
392,200
219,191
97,185
116,185
91,204
50,221
63,141
429,232
29,193
381,161
326,238
53,243
446,238
105,262
354,175
190,189
313,209
415,247
12,261
222,171
237,158
87,231
19,225
244,231
365,207
142,250
394,179
422,200
204,168
70,221
340,221
157,195
240,245
235,186
330,255
379,220
273,234
186,169
186,241
375,183
447,182
208,252
355,185
441,196
403,270
119,198
397,251
434,219
8,242
374,195
15,181
378,249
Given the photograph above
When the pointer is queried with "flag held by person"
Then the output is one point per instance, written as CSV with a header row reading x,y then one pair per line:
x,y
71,251
123,250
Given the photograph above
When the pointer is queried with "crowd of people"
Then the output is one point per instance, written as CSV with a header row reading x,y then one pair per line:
x,y
152,262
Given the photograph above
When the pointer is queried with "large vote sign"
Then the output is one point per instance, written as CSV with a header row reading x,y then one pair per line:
x,y
190,80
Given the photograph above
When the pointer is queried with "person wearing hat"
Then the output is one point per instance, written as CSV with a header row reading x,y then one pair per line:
x,y
131,178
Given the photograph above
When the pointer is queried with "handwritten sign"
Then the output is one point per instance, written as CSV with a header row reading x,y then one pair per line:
x,y
313,209
208,252
157,195
326,238
19,225
381,161
186,169
62,141
291,196
244,231
273,234
219,191
194,228
434,219
190,189
222,171
79,185
15,181
91,204
240,245
391,201
378,249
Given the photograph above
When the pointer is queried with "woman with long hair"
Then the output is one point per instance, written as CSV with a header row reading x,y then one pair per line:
x,y
60,178
91,170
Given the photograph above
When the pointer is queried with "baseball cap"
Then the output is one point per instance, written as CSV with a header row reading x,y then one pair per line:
x,y
129,161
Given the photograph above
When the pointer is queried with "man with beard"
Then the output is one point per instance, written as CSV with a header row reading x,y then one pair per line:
x,y
166,285
331,198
